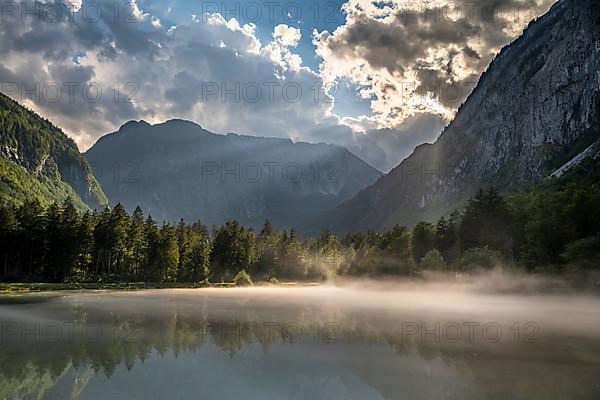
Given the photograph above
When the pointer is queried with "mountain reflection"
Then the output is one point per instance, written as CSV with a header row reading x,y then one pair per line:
x,y
294,344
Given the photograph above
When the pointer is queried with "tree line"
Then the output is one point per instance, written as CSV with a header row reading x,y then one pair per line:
x,y
59,244
551,231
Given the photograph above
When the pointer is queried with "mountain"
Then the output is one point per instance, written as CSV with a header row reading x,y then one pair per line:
x,y
178,170
535,109
38,161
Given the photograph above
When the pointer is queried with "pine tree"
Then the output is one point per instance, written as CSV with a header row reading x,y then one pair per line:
x,y
183,242
151,269
423,240
292,258
8,239
137,244
69,238
30,239
199,255
53,243
86,238
168,253
234,250
487,221
268,251
445,239
121,252
102,243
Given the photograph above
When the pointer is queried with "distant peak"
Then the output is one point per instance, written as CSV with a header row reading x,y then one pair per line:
x,y
177,121
172,122
133,124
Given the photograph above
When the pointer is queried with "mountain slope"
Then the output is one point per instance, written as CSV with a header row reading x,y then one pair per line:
x,y
37,160
179,170
539,100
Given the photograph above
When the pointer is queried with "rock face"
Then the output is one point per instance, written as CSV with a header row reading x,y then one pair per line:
x,y
39,161
179,170
538,100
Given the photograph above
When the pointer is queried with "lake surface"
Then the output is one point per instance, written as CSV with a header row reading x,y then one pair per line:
x,y
300,343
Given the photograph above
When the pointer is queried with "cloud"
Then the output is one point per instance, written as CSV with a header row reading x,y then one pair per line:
x,y
414,57
167,72
286,35
217,72
38,44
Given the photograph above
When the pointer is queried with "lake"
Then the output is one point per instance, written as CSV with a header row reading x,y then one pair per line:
x,y
357,342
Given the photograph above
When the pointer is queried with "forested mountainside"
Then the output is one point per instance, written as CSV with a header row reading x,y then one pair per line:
x,y
38,161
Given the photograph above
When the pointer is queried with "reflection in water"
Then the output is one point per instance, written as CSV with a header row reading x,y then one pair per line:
x,y
300,343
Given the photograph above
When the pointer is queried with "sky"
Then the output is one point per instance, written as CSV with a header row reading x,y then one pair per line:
x,y
379,77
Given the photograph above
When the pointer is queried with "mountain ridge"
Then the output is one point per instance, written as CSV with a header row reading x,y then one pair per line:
x,y
40,162
177,169
537,98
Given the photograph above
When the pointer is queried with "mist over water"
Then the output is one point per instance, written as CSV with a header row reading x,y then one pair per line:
x,y
489,337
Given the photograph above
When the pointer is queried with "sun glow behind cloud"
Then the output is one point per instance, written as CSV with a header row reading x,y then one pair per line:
x,y
390,56
411,57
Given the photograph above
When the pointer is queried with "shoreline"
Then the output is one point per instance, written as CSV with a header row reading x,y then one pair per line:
x,y
25,288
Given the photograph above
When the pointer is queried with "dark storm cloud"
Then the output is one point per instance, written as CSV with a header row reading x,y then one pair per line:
x,y
56,29
170,66
39,42
471,53
442,45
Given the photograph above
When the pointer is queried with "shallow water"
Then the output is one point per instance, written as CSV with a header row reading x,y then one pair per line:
x,y
300,343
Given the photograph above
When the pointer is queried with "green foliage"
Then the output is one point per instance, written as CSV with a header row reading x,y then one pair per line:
x,y
553,228
37,160
58,244
137,241
291,262
447,236
194,252
486,222
234,250
268,251
583,254
17,186
376,254
423,240
168,253
324,256
242,279
551,219
151,271
433,261
480,257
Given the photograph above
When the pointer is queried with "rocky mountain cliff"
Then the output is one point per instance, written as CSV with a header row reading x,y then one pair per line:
x,y
37,160
178,170
534,109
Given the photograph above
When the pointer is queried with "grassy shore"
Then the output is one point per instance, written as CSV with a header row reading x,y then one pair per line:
x,y
47,287
16,288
